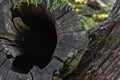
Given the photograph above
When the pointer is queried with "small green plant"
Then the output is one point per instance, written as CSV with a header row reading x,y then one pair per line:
x,y
17,3
55,3
89,23
61,4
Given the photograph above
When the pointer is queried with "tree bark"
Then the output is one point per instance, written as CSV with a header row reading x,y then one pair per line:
x,y
102,58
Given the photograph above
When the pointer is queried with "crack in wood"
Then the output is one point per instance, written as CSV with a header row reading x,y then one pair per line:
x,y
31,75
70,32
68,45
3,62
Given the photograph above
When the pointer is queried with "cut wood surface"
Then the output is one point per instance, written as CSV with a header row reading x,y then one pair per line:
x,y
71,39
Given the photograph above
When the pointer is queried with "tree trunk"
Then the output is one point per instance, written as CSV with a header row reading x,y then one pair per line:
x,y
102,58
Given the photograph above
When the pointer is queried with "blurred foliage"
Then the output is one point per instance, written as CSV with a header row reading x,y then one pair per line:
x,y
92,11
88,22
17,3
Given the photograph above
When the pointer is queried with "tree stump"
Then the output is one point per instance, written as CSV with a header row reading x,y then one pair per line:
x,y
71,40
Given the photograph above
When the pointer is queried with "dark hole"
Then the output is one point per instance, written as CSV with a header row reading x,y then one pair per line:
x,y
39,43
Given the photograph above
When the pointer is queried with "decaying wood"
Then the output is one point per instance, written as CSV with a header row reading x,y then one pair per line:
x,y
71,39
101,60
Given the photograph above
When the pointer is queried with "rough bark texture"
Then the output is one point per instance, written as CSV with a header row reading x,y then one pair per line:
x,y
102,58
